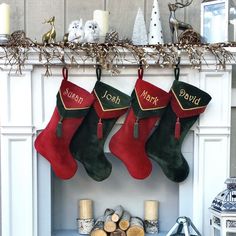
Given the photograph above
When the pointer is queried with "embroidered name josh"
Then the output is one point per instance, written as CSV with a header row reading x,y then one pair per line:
x,y
110,97
73,96
149,98
194,99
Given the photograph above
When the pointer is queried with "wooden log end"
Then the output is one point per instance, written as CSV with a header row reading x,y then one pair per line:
x,y
135,231
110,226
118,232
115,217
98,232
124,224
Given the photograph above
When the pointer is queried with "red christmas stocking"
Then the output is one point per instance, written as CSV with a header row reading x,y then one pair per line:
x,y
53,142
128,144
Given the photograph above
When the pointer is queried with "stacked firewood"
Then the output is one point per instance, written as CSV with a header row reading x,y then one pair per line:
x,y
118,222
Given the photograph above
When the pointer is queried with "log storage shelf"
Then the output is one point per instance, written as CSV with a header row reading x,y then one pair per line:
x,y
75,233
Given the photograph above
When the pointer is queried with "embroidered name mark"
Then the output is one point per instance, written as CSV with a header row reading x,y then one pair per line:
x,y
149,98
110,97
75,97
194,99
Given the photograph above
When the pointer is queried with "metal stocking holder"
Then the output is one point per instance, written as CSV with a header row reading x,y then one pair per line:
x,y
183,223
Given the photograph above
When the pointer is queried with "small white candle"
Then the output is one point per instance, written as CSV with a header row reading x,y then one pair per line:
x,y
151,210
4,18
102,18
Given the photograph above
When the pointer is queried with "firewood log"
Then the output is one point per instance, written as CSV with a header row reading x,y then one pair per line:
x,y
124,221
98,228
118,232
136,227
109,225
117,214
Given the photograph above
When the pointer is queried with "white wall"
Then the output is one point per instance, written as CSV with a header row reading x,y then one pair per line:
x,y
29,14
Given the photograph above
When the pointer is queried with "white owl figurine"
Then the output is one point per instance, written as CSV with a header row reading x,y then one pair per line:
x,y
76,31
91,31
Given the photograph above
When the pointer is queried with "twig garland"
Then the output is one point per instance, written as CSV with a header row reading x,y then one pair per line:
x,y
109,56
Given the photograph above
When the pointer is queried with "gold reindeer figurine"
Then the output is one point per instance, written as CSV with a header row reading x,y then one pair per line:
x,y
50,36
174,23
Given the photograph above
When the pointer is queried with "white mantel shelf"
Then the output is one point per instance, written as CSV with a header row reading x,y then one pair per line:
x,y
26,104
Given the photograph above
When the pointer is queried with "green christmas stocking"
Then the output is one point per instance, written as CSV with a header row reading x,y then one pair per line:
x,y
88,142
164,145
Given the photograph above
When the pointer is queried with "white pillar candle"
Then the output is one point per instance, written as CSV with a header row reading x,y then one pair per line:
x,y
151,210
85,209
102,18
4,18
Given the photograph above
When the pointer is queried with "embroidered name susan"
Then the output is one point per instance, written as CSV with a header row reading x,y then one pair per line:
x,y
110,97
194,99
149,98
75,97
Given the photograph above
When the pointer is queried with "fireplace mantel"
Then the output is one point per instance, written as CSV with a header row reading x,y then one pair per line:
x,y
26,104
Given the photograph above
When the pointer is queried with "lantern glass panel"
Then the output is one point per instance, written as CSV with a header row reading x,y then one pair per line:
x,y
214,29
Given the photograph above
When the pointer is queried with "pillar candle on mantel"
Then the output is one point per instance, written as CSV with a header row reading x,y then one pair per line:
x,y
85,209
102,18
4,18
151,210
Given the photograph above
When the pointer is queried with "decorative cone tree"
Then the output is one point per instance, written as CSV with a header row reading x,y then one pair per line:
x,y
139,32
155,29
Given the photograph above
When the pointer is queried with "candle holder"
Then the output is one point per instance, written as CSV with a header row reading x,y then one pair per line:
x,y
85,225
151,226
4,38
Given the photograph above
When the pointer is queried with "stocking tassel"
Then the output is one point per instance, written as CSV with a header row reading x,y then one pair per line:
x,y
59,127
136,129
177,128
100,129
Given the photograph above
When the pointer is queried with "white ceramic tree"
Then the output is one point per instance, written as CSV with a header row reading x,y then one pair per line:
x,y
139,32
155,30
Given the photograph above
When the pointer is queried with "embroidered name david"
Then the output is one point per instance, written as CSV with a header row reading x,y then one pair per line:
x,y
149,98
194,99
110,97
75,97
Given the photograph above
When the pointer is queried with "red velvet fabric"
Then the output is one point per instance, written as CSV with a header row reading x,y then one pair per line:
x,y
56,149
129,149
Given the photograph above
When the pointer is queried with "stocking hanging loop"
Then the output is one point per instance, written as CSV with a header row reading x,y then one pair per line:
x,y
177,69
98,72
140,70
65,73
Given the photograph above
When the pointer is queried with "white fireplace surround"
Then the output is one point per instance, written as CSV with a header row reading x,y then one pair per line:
x,y
27,185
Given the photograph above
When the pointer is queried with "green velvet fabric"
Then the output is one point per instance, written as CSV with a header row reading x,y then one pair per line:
x,y
88,142
111,99
165,149
88,149
190,96
187,102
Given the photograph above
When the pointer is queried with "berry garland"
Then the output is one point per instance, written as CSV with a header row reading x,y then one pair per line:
x,y
111,56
